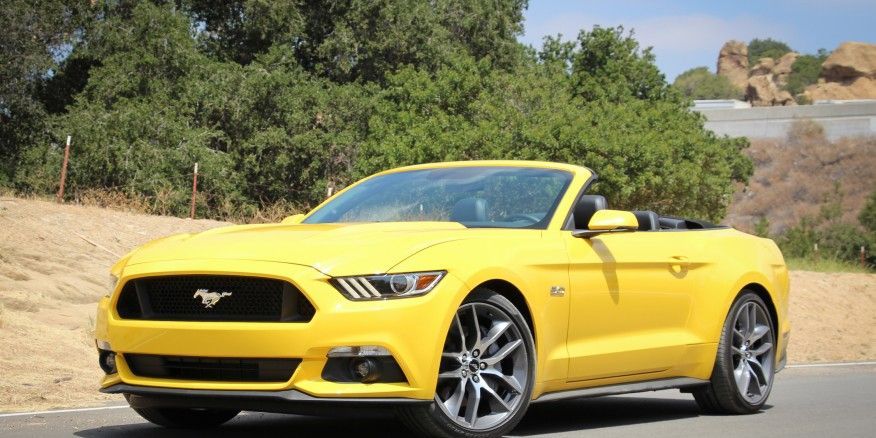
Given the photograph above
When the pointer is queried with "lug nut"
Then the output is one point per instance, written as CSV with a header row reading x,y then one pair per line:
x,y
476,378
483,365
464,373
475,353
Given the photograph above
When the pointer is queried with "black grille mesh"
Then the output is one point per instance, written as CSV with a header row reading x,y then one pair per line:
x,y
211,368
187,298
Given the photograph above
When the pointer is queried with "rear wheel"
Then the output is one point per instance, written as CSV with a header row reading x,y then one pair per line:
x,y
486,374
743,374
186,418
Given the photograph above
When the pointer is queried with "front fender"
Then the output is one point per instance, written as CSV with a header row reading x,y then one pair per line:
x,y
532,264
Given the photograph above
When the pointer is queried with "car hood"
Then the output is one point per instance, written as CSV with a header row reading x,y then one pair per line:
x,y
334,249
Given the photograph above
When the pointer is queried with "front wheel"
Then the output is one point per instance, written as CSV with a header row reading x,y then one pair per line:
x,y
486,374
743,374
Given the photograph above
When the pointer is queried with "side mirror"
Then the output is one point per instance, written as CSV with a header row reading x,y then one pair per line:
x,y
609,221
292,220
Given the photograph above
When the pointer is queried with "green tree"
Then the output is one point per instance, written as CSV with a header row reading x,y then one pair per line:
x,y
634,131
766,48
609,64
700,83
276,107
35,35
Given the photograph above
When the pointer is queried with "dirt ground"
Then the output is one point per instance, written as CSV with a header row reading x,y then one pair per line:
x,y
53,268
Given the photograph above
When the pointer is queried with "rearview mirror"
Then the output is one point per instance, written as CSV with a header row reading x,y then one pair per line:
x,y
292,220
609,221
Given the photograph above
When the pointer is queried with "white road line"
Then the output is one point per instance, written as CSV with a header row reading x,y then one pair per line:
x,y
62,411
834,364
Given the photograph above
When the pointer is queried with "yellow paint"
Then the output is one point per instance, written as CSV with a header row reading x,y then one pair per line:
x,y
638,305
613,220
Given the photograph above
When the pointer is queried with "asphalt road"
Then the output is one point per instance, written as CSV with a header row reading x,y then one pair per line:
x,y
817,402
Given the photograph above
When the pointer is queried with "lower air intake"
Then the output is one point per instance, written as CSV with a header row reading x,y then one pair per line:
x,y
215,369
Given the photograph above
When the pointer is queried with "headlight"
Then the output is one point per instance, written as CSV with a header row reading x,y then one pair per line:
x,y
381,287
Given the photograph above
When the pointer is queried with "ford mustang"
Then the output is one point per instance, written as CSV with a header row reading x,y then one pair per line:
x,y
452,294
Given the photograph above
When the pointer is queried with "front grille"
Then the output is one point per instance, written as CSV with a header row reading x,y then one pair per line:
x,y
211,368
213,298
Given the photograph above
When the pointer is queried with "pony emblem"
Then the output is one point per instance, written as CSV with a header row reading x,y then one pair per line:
x,y
208,299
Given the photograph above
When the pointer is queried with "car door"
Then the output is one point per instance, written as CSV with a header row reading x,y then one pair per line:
x,y
629,303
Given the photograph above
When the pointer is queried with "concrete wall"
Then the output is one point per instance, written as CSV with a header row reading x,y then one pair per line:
x,y
846,119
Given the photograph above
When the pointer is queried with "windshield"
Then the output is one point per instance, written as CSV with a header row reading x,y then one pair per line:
x,y
502,197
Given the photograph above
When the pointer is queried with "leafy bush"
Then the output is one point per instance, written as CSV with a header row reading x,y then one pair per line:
x,y
805,72
700,83
766,48
825,237
868,213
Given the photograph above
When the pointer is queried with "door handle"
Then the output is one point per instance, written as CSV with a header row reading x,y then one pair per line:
x,y
679,260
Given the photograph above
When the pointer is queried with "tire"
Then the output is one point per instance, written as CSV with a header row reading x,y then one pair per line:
x,y
746,353
186,418
502,375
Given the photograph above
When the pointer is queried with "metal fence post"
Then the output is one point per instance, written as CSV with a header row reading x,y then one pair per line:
x,y
64,169
194,192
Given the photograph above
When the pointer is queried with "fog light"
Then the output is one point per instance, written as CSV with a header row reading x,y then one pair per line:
x,y
365,369
107,360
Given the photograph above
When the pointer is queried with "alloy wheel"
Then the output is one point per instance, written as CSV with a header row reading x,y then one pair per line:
x,y
752,352
484,368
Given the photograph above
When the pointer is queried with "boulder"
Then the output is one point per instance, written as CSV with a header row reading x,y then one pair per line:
x,y
733,63
783,66
859,88
763,91
764,66
849,61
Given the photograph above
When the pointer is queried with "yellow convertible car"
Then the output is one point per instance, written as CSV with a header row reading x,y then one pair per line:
x,y
452,294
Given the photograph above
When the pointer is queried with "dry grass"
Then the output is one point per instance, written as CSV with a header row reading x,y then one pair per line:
x,y
113,199
164,202
794,177
50,279
829,265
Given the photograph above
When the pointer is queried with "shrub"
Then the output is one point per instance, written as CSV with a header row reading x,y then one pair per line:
x,y
805,72
766,48
868,213
700,83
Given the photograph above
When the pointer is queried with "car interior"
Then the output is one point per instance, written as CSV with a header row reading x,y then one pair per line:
x,y
588,205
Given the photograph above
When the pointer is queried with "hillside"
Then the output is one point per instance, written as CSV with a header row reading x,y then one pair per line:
x,y
50,279
794,177
53,268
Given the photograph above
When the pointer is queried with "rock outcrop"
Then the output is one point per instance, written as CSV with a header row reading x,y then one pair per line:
x,y
782,68
764,66
733,63
848,73
762,90
764,87
850,61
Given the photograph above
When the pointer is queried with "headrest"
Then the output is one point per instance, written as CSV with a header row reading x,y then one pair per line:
x,y
469,210
648,220
587,206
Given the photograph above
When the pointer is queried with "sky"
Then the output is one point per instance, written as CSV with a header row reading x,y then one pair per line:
x,y
689,33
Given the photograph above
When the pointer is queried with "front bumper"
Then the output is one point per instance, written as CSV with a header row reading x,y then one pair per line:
x,y
411,329
288,401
